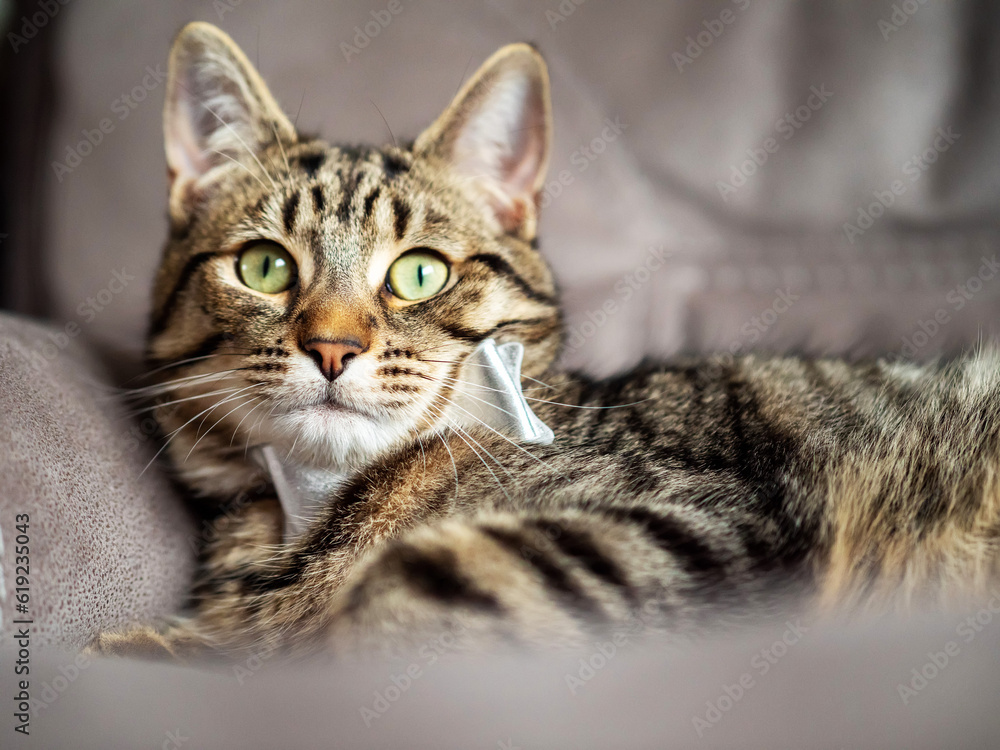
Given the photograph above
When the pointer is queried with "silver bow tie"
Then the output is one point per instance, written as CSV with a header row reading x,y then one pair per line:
x,y
489,393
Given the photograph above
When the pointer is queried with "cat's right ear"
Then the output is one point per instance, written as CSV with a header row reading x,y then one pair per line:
x,y
497,134
217,111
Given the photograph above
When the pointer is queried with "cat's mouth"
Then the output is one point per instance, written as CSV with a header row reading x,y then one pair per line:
x,y
337,407
332,406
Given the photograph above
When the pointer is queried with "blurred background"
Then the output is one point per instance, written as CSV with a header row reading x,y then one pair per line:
x,y
817,177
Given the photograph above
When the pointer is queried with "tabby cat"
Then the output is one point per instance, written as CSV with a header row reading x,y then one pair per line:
x,y
320,299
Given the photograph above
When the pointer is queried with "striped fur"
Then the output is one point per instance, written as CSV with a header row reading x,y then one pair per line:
x,y
686,495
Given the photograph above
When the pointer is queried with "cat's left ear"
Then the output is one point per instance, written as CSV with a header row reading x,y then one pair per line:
x,y
497,135
217,111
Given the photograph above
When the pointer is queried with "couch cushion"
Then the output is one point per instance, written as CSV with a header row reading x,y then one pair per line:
x,y
108,544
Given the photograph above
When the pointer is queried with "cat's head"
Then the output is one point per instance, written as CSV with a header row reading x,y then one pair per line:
x,y
321,298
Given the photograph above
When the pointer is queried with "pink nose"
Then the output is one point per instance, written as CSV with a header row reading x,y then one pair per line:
x,y
332,356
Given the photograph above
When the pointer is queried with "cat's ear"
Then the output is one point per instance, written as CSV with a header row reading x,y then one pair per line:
x,y
218,110
497,134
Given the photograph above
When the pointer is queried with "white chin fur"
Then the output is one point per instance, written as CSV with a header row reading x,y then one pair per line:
x,y
328,438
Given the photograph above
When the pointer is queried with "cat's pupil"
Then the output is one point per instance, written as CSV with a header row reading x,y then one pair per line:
x,y
267,266
420,275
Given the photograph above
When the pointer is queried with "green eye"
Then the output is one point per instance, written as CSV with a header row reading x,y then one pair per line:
x,y
266,267
418,274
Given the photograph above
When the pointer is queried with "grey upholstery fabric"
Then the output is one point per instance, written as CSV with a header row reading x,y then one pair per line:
x,y
107,544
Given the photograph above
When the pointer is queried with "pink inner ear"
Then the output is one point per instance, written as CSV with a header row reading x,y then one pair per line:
x,y
502,144
522,166
184,149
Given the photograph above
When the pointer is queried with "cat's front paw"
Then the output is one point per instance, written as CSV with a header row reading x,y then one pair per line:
x,y
172,643
142,642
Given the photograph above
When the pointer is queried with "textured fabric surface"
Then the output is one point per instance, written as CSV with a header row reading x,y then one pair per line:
x,y
107,545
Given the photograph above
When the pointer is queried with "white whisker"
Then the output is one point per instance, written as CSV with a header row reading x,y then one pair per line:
x,y
189,360
576,406
454,466
281,146
242,142
219,421
512,442
237,430
242,166
459,431
169,385
174,434
181,400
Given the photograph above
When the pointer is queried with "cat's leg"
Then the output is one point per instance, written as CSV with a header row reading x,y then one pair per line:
x,y
553,579
543,578
242,541
174,641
